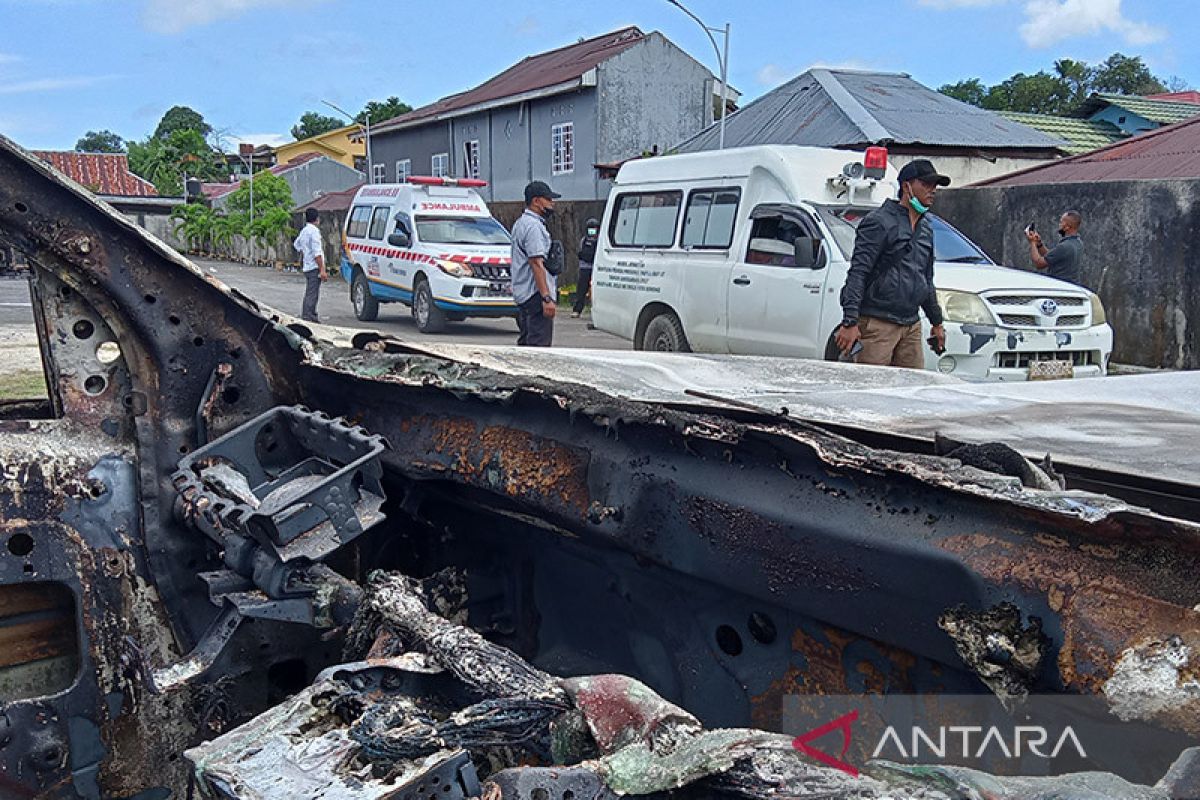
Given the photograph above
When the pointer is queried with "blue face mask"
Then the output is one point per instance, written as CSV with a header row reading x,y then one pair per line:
x,y
917,205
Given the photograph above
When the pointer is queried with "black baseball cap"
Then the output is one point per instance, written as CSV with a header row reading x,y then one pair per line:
x,y
539,189
922,170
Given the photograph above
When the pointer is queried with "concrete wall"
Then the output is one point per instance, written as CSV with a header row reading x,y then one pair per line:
x,y
1141,253
418,144
650,94
319,177
579,108
566,226
969,169
1125,120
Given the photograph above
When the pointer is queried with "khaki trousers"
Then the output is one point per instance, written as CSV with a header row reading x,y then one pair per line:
x,y
887,344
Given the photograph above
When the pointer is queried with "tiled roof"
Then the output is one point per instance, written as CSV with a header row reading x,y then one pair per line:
x,y
535,72
1190,96
1172,151
103,173
1163,112
1081,135
853,108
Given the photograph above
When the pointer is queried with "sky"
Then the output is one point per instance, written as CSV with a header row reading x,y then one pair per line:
x,y
252,67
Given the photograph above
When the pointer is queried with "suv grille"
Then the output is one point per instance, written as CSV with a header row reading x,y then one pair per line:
x,y
1029,310
491,272
1079,358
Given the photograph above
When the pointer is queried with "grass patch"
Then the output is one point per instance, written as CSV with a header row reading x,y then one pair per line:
x,y
23,385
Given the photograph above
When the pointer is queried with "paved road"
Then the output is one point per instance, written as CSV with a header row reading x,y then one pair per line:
x,y
284,290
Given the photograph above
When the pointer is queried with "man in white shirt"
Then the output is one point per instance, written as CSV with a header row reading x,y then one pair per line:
x,y
308,245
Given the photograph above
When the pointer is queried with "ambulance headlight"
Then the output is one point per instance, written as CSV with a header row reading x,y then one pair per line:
x,y
455,268
1098,315
964,307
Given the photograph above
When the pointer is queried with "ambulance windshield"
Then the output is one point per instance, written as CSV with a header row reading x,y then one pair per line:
x,y
461,230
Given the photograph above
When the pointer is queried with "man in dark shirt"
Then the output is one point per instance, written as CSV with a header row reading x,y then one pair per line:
x,y
891,277
1062,261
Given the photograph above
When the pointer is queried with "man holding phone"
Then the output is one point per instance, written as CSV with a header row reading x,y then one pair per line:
x,y
1062,261
891,278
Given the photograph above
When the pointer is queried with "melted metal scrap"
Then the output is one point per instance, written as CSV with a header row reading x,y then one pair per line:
x,y
1005,655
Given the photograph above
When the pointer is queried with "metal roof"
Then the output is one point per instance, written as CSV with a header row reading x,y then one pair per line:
x,y
852,109
102,173
534,73
1163,112
1172,151
1081,135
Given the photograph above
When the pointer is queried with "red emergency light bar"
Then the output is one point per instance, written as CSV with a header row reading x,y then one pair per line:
x,y
429,180
875,162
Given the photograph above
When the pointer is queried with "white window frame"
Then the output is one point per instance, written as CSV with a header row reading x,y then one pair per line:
x,y
562,148
378,172
471,158
403,170
439,165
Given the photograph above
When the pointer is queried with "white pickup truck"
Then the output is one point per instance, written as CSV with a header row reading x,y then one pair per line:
x,y
746,251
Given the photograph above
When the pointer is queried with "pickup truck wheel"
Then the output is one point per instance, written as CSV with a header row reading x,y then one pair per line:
x,y
366,307
664,333
832,353
429,318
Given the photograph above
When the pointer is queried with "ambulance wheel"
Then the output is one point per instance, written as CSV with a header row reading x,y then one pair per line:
x,y
664,334
366,307
429,318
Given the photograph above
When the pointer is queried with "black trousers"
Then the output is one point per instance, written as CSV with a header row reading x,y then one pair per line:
x,y
312,290
537,330
585,284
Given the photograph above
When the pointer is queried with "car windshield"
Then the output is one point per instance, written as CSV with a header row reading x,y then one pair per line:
x,y
948,243
461,230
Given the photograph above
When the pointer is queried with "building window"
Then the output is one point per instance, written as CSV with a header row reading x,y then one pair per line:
x,y
403,169
562,148
440,165
708,222
377,172
471,159
646,219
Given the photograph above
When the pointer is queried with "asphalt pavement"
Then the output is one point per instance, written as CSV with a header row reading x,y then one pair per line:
x,y
285,290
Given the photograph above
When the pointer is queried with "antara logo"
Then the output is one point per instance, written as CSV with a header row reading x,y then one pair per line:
x,y
959,741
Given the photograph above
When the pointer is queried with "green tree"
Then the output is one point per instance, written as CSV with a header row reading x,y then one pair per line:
x,y
969,91
180,118
165,162
1078,76
194,222
380,111
100,142
1039,93
313,124
1121,74
272,207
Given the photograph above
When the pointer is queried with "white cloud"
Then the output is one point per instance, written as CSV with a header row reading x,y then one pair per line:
x,y
176,16
773,75
944,4
271,139
1048,22
53,84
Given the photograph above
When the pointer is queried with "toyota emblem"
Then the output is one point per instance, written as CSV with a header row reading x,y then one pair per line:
x,y
1049,307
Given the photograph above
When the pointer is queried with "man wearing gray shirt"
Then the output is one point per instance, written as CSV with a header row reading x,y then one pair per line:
x,y
534,288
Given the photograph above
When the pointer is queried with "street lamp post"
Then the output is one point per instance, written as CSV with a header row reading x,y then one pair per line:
x,y
722,60
366,132
250,167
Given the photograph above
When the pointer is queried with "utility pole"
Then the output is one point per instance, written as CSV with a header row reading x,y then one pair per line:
x,y
722,61
366,132
250,225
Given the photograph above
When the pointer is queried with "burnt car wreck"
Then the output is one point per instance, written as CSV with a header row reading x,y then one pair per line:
x,y
243,558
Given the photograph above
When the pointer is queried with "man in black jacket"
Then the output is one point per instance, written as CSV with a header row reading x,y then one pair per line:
x,y
587,257
891,277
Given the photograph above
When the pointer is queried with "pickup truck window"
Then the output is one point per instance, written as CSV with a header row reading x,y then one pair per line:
x,y
645,219
461,230
708,221
948,244
359,218
379,222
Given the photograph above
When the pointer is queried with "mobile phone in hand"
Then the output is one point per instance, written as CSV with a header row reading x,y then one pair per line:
x,y
934,346
1031,228
855,349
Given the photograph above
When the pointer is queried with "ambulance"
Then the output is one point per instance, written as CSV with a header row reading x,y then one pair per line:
x,y
746,250
430,244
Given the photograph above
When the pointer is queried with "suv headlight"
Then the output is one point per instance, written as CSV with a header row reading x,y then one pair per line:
x,y
964,307
455,268
1098,315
